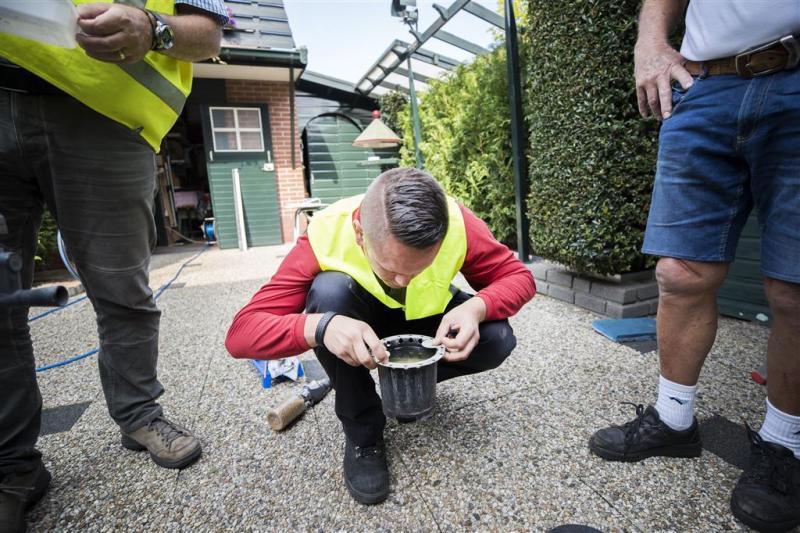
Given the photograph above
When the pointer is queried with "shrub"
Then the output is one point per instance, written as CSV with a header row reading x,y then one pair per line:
x,y
46,244
592,158
391,105
466,140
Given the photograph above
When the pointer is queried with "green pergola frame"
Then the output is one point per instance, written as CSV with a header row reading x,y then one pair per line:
x,y
390,62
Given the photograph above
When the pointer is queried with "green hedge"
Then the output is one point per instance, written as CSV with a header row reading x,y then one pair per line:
x,y
466,140
592,158
392,105
46,245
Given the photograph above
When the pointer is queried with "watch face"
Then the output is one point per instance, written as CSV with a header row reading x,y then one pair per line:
x,y
165,37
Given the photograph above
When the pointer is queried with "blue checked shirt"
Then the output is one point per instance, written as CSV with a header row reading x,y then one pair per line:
x,y
215,7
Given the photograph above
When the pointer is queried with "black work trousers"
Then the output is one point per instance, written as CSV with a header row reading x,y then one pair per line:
x,y
358,405
98,179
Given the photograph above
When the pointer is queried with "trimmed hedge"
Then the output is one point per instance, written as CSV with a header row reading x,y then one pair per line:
x,y
466,140
592,158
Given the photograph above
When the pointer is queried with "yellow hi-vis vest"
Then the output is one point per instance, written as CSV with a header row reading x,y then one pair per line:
x,y
333,240
146,96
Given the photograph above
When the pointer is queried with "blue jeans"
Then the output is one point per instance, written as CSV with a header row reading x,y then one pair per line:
x,y
731,144
98,179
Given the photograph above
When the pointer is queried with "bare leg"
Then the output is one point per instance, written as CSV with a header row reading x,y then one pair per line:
x,y
687,316
783,349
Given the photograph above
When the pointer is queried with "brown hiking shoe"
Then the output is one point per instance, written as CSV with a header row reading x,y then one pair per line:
x,y
170,445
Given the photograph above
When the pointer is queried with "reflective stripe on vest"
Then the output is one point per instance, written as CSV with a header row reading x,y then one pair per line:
x,y
146,96
333,241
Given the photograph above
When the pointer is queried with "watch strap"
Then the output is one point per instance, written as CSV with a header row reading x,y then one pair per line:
x,y
158,23
322,325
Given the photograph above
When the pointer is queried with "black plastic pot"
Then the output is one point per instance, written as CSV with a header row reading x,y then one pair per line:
x,y
408,389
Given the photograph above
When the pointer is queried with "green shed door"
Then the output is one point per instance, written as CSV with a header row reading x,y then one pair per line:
x,y
337,167
742,294
239,138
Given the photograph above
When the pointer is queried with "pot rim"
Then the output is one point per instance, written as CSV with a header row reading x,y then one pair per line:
x,y
420,338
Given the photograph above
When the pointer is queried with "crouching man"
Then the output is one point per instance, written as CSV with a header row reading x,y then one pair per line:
x,y
381,265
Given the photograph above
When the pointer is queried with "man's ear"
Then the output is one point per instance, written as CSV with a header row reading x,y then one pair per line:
x,y
359,233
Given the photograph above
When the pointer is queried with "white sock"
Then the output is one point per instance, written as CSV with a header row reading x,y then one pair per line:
x,y
675,403
781,428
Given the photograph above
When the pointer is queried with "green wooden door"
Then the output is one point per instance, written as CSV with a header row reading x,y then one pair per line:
x,y
239,138
338,169
742,294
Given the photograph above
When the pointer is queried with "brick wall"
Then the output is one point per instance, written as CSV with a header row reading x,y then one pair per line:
x,y
289,180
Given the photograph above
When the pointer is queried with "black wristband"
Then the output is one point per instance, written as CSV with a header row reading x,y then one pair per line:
x,y
322,325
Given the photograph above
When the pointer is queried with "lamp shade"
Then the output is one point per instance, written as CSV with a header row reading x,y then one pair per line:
x,y
377,135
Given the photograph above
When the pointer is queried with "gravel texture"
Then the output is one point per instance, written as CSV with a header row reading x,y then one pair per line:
x,y
504,451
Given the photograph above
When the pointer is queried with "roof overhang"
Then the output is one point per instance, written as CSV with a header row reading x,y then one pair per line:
x,y
254,64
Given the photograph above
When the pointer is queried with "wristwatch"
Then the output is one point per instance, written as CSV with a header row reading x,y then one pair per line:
x,y
163,35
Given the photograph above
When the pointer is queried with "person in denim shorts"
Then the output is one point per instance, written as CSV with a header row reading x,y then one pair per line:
x,y
729,143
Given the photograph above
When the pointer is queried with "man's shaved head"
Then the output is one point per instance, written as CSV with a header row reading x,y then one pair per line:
x,y
407,204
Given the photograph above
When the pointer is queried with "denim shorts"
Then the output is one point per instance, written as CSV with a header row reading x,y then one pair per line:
x,y
730,145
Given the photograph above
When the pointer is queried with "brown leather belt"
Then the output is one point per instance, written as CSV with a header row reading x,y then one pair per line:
x,y
783,54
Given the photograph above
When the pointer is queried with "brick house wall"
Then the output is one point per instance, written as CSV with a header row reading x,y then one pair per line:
x,y
289,180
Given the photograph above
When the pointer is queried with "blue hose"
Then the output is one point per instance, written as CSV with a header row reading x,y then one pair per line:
x,y
95,350
56,309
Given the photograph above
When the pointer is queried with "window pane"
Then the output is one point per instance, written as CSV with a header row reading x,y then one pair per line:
x,y
251,140
225,140
249,118
223,118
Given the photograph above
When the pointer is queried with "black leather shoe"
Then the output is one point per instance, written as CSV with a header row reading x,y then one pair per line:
x,y
645,436
18,493
767,497
365,472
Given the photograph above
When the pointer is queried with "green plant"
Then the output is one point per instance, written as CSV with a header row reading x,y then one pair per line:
x,y
592,158
392,104
466,140
46,245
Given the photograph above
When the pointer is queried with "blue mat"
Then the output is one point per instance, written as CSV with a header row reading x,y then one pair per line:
x,y
626,329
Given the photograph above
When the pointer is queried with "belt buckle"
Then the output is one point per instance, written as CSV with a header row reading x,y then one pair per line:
x,y
789,43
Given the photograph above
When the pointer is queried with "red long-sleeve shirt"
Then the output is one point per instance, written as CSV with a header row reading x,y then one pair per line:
x,y
271,325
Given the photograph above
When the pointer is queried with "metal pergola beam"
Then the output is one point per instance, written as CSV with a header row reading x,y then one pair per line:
x,y
485,14
458,42
445,14
437,60
417,76
393,86
518,138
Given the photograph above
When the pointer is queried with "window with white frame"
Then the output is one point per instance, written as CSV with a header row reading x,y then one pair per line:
x,y
237,129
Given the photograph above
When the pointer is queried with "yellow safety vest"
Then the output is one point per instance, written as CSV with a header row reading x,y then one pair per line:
x,y
146,96
333,240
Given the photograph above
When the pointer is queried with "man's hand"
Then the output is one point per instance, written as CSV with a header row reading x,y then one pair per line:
x,y
655,66
354,342
464,319
114,33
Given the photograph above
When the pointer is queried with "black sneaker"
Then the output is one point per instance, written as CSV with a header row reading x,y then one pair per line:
x,y
365,472
18,493
645,436
767,497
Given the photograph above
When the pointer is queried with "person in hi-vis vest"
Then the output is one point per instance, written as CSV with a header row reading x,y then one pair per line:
x,y
378,265
78,130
